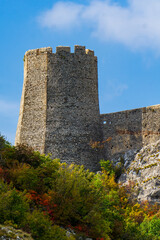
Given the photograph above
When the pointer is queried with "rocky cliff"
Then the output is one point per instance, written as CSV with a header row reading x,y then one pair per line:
x,y
142,171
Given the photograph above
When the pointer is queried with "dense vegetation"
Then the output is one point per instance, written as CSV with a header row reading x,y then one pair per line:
x,y
52,200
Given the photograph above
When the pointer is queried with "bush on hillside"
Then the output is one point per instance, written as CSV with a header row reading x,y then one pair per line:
x,y
46,197
41,227
13,206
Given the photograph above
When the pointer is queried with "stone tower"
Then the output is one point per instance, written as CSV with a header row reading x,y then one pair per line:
x,y
59,112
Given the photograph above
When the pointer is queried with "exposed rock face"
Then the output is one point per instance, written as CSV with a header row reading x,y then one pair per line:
x,y
9,233
142,168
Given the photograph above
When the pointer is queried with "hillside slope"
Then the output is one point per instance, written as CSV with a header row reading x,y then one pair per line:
x,y
142,169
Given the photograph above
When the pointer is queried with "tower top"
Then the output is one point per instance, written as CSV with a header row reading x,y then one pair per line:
x,y
78,50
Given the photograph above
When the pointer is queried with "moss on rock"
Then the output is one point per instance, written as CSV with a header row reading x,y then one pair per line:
x,y
9,233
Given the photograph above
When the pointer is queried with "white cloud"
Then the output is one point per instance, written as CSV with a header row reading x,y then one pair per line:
x,y
136,25
62,16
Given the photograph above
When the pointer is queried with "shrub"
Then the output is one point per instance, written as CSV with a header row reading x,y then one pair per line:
x,y
13,207
48,194
78,201
150,228
3,142
11,155
41,227
3,187
40,179
111,169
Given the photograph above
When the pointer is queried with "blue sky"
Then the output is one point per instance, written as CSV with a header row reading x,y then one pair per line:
x,y
125,35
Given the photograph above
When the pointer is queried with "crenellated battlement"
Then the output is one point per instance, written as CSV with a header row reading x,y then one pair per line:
x,y
61,49
78,50
38,51
89,52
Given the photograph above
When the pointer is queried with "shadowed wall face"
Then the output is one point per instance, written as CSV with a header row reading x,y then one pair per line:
x,y
73,118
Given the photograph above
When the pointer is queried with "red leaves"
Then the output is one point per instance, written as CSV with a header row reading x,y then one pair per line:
x,y
43,200
4,175
79,228
1,173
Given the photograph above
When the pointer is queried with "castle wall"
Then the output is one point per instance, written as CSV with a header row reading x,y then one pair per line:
x,y
73,118
32,118
59,111
130,130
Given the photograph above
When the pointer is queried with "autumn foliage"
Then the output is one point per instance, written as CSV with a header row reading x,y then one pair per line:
x,y
53,200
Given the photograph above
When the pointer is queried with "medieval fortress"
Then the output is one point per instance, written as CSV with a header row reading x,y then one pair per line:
x,y
59,111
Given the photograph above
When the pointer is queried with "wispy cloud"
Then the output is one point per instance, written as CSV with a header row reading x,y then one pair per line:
x,y
113,90
136,25
8,108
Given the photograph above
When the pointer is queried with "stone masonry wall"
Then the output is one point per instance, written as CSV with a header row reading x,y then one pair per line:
x,y
59,111
130,130
73,118
32,118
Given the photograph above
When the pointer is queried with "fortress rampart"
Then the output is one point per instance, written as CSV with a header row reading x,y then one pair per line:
x,y
59,111
130,130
